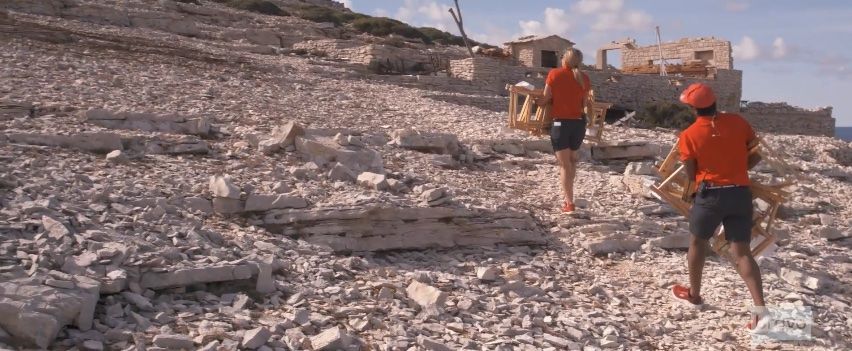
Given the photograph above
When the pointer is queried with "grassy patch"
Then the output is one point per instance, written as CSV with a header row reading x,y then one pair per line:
x,y
257,6
665,115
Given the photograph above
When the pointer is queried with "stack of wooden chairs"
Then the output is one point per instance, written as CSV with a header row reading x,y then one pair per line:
x,y
768,196
536,120
528,116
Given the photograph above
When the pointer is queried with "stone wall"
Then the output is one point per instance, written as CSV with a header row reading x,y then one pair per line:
x,y
781,118
685,50
493,74
635,91
626,91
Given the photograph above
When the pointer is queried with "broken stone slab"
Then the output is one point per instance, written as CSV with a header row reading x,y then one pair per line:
x,y
426,296
540,145
612,243
184,145
431,344
323,150
432,195
378,228
149,122
623,151
487,274
511,147
671,242
33,313
222,186
198,204
832,233
373,181
91,142
265,281
281,137
444,161
339,172
435,143
258,202
224,205
640,168
55,229
191,276
255,338
801,278
117,156
638,185
331,339
15,109
174,342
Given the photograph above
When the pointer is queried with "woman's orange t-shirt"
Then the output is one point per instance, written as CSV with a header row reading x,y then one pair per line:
x,y
567,93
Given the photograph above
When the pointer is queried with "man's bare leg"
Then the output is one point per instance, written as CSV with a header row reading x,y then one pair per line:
x,y
748,270
695,258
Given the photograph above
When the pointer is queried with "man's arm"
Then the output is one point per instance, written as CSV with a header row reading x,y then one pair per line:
x,y
691,169
753,156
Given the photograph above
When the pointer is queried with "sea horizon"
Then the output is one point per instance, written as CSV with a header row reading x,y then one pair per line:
x,y
843,133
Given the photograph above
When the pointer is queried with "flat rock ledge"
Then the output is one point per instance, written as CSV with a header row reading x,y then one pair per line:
x,y
389,228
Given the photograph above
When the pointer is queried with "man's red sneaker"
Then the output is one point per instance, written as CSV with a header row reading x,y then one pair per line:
x,y
568,208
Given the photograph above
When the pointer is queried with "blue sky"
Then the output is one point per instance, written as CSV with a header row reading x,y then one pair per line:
x,y
789,50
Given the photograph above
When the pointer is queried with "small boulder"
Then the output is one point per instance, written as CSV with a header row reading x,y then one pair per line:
x,y
373,181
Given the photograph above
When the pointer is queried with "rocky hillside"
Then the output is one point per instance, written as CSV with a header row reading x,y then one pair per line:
x,y
176,176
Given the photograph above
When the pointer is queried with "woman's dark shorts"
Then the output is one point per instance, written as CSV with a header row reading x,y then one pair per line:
x,y
729,206
568,134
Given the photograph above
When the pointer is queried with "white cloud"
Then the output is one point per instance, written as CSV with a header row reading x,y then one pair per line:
x,y
736,6
381,13
779,48
426,13
531,27
632,20
746,50
586,7
556,20
605,18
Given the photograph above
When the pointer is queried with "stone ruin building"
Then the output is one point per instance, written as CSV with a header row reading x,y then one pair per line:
x,y
639,83
636,84
537,51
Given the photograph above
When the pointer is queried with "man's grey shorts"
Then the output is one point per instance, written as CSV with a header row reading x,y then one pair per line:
x,y
729,206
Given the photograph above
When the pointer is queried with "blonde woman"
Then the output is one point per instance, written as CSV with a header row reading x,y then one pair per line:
x,y
567,89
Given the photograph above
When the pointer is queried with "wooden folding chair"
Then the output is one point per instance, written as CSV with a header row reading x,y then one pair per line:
x,y
674,184
528,116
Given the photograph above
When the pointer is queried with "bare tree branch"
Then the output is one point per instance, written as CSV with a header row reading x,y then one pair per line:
x,y
460,23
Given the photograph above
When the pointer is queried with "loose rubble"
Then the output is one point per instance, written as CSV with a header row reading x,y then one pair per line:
x,y
171,177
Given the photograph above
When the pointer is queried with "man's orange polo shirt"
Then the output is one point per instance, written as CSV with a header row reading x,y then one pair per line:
x,y
721,154
567,93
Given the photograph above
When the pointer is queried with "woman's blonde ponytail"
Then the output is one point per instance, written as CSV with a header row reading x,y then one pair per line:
x,y
572,60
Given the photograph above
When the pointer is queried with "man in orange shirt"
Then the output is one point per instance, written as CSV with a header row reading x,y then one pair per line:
x,y
715,151
567,89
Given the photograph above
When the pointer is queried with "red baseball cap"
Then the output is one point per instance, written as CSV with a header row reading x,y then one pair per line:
x,y
698,95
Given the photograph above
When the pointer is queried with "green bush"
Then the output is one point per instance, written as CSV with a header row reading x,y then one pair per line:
x,y
665,115
442,37
321,14
258,6
383,26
